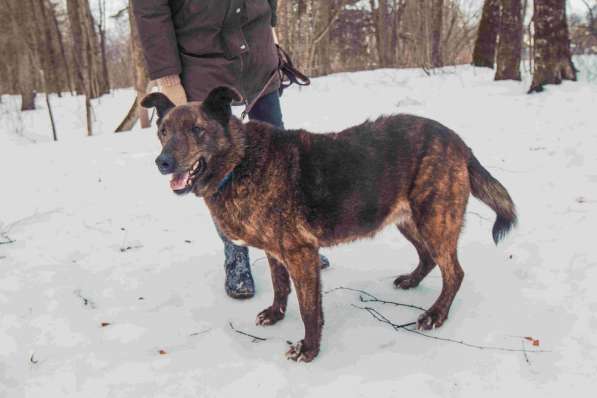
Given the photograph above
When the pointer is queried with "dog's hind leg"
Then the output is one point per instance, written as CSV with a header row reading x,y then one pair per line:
x,y
452,275
426,263
281,283
440,232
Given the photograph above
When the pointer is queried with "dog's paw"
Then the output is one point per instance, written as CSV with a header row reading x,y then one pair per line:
x,y
431,319
299,353
269,316
407,281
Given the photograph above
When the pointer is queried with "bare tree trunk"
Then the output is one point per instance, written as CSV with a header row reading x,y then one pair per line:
x,y
78,43
49,105
25,57
97,85
509,50
322,54
553,58
52,80
485,45
81,56
282,29
102,33
69,79
437,11
398,13
326,22
382,30
136,112
26,83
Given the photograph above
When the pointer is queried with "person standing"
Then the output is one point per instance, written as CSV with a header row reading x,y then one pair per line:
x,y
193,46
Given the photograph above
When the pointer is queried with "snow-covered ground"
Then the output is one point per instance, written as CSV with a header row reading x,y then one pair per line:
x,y
111,286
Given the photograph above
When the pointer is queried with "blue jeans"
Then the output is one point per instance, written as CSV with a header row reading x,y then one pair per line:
x,y
268,110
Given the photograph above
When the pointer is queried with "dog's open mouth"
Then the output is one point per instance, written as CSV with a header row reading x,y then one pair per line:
x,y
183,182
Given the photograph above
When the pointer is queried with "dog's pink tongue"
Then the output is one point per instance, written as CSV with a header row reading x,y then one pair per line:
x,y
179,181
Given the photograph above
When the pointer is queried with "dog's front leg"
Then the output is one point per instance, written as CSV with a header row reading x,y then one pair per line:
x,y
303,267
281,284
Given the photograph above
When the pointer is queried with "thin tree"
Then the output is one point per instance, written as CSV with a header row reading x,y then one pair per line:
x,y
485,45
510,41
553,58
81,56
437,22
26,58
379,14
141,80
101,27
58,33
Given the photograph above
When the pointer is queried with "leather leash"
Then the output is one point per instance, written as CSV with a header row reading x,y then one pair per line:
x,y
288,74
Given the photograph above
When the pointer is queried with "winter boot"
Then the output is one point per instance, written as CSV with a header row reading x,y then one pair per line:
x,y
239,281
324,262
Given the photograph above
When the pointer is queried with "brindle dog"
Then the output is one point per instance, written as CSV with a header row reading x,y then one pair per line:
x,y
290,192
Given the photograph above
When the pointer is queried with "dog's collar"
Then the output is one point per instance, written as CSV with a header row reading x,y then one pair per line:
x,y
225,181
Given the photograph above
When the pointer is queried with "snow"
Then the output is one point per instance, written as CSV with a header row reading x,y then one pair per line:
x,y
113,286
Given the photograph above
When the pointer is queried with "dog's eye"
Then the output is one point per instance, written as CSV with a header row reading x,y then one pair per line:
x,y
162,132
197,130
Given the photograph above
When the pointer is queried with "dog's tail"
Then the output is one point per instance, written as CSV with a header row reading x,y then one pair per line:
x,y
489,190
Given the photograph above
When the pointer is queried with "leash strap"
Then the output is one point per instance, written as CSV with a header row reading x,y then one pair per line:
x,y
288,74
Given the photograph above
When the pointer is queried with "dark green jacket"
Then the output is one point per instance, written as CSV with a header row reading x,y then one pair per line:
x,y
209,43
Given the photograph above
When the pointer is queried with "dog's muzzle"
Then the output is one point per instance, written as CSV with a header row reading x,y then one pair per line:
x,y
183,182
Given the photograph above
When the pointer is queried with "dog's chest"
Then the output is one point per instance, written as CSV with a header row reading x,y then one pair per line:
x,y
239,221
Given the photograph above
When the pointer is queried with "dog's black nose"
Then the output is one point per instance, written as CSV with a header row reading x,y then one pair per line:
x,y
166,163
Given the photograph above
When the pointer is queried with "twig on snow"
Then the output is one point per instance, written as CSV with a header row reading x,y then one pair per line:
x,y
259,259
478,215
372,299
126,249
256,339
479,347
86,302
377,315
524,353
32,359
7,241
509,171
199,333
383,319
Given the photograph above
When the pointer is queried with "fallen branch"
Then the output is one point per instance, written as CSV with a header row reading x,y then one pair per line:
x,y
383,319
256,339
372,299
377,315
479,347
130,119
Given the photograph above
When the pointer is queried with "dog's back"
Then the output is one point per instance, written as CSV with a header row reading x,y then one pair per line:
x,y
353,181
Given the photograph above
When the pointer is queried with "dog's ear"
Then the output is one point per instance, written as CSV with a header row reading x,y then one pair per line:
x,y
159,101
218,103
